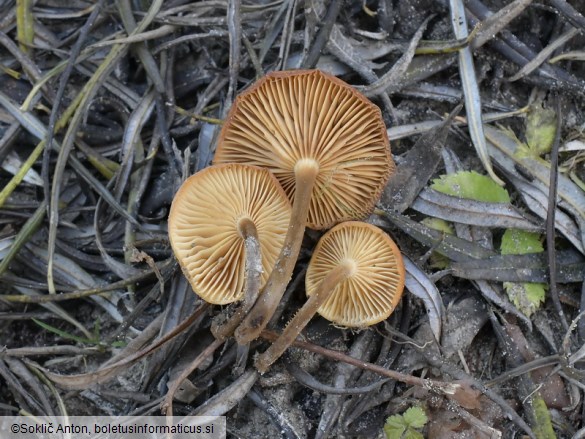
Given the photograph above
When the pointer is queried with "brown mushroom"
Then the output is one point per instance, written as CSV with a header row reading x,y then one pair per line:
x,y
355,279
327,145
220,215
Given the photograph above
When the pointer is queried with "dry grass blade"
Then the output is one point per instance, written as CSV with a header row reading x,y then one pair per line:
x,y
521,268
73,295
471,89
25,24
544,54
407,130
34,351
162,31
419,284
572,55
498,21
25,233
27,64
454,248
26,166
476,213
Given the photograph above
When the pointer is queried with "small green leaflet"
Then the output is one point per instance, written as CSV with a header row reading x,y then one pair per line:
x,y
520,242
527,297
404,426
471,185
415,417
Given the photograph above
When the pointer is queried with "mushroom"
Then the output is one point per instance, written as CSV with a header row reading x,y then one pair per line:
x,y
355,279
220,218
327,145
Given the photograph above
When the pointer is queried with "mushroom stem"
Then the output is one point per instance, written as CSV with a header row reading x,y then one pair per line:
x,y
223,327
306,171
306,313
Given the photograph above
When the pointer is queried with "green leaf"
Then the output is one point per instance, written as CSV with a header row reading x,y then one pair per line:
x,y
415,417
404,426
395,426
471,185
412,434
520,242
527,297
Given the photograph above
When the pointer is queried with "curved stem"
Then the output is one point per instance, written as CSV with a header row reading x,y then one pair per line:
x,y
306,313
223,327
306,171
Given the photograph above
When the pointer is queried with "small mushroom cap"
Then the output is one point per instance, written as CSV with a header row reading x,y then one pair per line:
x,y
370,294
291,115
204,227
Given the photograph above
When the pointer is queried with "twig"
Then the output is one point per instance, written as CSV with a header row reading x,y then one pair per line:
x,y
441,387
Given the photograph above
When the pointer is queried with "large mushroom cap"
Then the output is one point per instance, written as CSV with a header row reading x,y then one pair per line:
x,y
370,294
204,227
292,115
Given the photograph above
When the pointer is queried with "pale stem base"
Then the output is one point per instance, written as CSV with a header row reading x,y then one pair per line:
x,y
221,327
306,172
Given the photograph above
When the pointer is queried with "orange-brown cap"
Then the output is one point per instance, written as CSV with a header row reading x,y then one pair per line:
x,y
370,294
205,222
292,115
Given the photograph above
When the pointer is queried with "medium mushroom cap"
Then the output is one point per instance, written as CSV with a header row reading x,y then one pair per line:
x,y
205,227
370,294
307,114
